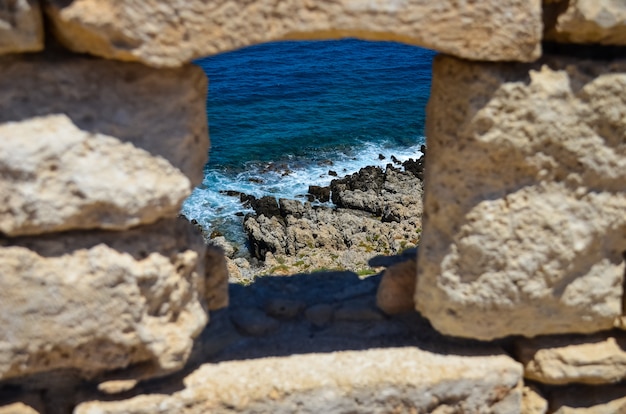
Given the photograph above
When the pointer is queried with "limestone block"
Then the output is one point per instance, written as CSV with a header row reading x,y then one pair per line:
x,y
588,400
588,21
18,408
21,26
160,111
374,381
170,33
524,224
563,359
532,401
100,301
56,177
397,288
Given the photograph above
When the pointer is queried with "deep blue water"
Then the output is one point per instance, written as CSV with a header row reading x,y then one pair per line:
x,y
300,106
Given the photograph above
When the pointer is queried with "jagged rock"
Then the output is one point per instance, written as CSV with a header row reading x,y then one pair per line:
x,y
565,359
587,21
405,379
56,177
415,167
265,235
100,301
108,98
21,27
266,206
179,32
321,194
536,247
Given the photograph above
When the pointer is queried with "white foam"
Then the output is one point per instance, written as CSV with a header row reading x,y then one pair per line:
x,y
214,210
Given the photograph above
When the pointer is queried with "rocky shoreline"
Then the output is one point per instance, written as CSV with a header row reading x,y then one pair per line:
x,y
342,226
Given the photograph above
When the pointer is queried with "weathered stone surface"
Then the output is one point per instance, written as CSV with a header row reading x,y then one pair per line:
x,y
18,408
216,289
374,381
527,237
160,111
607,399
564,359
588,21
55,177
99,301
397,288
168,34
21,26
532,401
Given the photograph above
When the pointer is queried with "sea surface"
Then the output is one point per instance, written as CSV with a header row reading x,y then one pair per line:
x,y
282,115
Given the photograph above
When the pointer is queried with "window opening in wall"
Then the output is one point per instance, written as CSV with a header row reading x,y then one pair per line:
x,y
288,118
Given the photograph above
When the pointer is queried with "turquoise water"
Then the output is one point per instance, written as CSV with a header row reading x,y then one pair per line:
x,y
281,115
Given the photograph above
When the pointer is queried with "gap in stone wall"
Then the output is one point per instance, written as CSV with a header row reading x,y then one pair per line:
x,y
308,113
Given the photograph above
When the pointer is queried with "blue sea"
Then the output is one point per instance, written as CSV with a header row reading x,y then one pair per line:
x,y
282,115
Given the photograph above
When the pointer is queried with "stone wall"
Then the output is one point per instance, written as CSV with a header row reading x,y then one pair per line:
x,y
103,134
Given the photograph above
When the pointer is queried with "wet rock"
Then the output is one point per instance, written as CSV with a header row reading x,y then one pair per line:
x,y
266,206
321,194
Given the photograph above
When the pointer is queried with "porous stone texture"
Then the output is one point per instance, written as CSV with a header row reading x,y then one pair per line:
x,y
159,111
564,359
587,21
55,177
373,381
532,401
171,33
99,301
525,237
21,26
608,399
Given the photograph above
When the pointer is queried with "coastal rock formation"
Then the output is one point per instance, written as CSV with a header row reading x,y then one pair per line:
x,y
530,241
100,301
378,212
169,34
21,27
126,101
565,359
400,380
56,177
587,21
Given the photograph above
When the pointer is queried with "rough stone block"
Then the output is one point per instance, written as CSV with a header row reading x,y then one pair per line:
x,y
565,359
524,224
587,21
170,33
56,177
532,401
21,26
397,288
100,301
160,111
607,399
374,381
